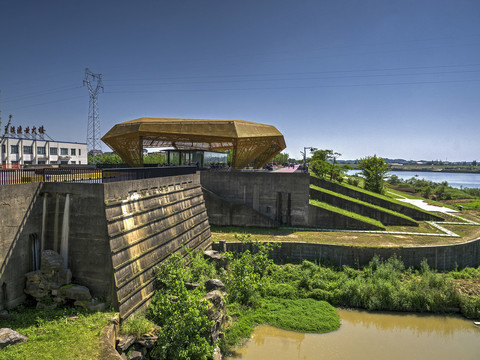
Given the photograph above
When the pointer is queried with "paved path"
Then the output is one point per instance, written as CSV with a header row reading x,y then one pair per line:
x,y
424,206
287,169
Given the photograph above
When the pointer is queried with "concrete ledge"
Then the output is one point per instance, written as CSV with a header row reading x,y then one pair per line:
x,y
441,257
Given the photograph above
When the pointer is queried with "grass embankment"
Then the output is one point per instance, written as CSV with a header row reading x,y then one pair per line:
x,y
347,213
65,334
348,198
351,238
391,197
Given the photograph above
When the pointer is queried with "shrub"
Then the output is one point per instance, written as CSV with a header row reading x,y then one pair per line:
x,y
181,314
137,325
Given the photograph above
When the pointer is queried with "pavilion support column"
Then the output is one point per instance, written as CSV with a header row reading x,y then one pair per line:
x,y
140,151
234,155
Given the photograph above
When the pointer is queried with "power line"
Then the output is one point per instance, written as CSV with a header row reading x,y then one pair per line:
x,y
40,93
297,73
295,87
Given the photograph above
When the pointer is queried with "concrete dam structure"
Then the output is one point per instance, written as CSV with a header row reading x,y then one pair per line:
x,y
111,236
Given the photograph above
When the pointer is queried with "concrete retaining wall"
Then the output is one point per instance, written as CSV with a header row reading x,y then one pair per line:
x,y
326,219
111,235
384,217
148,220
224,213
411,212
20,225
443,257
282,197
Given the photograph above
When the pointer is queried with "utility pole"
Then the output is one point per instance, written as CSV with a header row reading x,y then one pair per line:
x,y
94,85
304,153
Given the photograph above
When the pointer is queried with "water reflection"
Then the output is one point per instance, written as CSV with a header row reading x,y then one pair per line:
x,y
366,335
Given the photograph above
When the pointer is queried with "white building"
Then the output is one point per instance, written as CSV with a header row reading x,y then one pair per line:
x,y
37,151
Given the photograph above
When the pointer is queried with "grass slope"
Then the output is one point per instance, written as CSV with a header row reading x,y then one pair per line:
x,y
343,212
380,196
348,198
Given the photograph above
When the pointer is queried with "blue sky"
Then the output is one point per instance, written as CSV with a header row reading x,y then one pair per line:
x,y
400,79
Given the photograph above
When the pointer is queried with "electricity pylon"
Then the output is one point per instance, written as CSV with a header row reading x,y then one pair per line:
x,y
93,129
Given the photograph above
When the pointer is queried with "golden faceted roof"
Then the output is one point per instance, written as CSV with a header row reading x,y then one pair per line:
x,y
250,142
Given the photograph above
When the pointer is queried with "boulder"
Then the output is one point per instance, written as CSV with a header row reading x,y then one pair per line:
x,y
125,341
4,315
75,292
191,286
216,313
10,337
147,341
212,255
51,261
214,284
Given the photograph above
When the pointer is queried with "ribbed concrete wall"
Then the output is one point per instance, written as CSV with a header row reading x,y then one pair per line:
x,y
117,233
442,257
148,221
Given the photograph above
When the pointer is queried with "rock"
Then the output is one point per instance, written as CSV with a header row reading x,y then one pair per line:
x,y
217,354
216,313
136,355
214,284
216,298
75,292
4,315
191,286
51,261
216,257
96,306
125,341
212,255
147,341
34,276
10,337
44,306
64,277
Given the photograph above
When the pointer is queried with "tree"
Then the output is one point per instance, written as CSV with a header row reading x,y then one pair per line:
x,y
281,158
319,164
323,163
374,170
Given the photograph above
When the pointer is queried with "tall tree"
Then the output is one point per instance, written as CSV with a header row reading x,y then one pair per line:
x,y
374,170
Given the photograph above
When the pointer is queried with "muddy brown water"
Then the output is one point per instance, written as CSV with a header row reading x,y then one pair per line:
x,y
365,335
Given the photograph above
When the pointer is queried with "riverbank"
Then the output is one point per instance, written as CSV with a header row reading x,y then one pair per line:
x,y
369,335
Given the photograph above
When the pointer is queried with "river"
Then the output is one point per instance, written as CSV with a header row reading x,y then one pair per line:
x,y
456,180
365,335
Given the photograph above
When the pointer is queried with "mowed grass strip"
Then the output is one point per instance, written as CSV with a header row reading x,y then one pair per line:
x,y
360,202
229,233
384,197
343,212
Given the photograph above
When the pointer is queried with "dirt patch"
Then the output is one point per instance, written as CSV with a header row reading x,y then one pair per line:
x,y
469,287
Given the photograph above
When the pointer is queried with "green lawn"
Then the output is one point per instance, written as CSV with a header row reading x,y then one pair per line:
x,y
64,334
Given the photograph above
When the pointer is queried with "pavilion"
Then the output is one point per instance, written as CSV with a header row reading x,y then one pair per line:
x,y
250,143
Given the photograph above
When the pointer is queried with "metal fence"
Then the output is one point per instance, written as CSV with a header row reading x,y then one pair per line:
x,y
89,175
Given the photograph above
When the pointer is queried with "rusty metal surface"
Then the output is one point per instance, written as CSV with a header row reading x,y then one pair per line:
x,y
250,142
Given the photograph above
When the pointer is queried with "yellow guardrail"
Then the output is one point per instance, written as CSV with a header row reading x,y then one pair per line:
x,y
63,177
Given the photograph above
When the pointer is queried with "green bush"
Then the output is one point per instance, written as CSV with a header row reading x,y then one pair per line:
x,y
137,325
180,313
